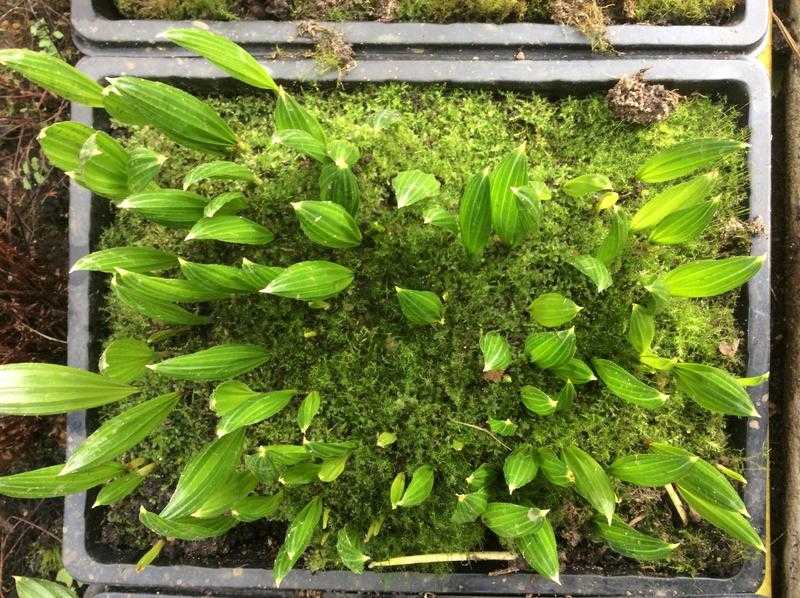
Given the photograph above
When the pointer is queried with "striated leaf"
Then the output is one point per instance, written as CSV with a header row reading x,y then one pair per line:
x,y
308,409
684,158
303,143
339,185
237,487
229,395
397,489
135,259
420,307
216,279
508,520
550,349
436,215
300,474
143,166
253,508
554,469
103,166
591,481
632,543
124,359
33,587
566,397
419,488
594,269
627,387
728,521
119,488
162,311
47,389
502,427
351,550
481,477
641,329
714,389
254,410
257,276
186,528
330,450
121,433
310,281
228,203
170,207
230,229
606,201
204,472
218,170
496,352
298,537
753,380
343,153
284,455
179,115
386,439
708,278
223,53
540,551
655,362
512,172
475,213
328,224
672,199
412,186
54,75
217,363
575,371
47,483
470,506
62,142
586,184
332,468
684,225
537,401
520,467
651,469
171,290
553,310
616,240
289,114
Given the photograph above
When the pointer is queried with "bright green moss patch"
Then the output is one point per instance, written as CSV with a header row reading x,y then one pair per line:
x,y
376,373
436,11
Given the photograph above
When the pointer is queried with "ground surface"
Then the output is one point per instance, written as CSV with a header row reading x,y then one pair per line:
x,y
375,373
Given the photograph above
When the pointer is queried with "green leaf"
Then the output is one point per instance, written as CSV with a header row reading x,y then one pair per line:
x,y
300,474
586,184
257,276
481,477
103,166
332,468
651,469
328,224
229,395
46,483
419,488
684,225
351,550
230,229
386,118
151,555
641,329
62,142
216,279
553,310
632,543
685,158
436,215
143,166
575,371
330,450
550,349
170,207
121,433
343,153
554,469
339,185
616,240
412,186
475,213
135,259
627,387
566,397
289,114
470,506
186,528
420,307
205,471
33,587
709,278
540,551
179,115
606,201
254,410
218,170
396,489
655,362
386,439
124,360
308,409
508,520
172,290
310,281
520,467
591,481
118,489
753,380
502,427
223,53
253,508
303,143
217,363
537,401
594,269
46,389
728,521
512,172
284,455
496,352
54,75
162,311
298,537
231,202
672,199
714,389
237,487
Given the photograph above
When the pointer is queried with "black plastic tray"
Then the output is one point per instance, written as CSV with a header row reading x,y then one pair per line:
x,y
742,80
98,28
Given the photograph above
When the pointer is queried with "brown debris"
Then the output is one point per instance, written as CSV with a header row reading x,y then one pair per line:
x,y
634,100
387,10
729,349
586,16
280,10
331,50
493,376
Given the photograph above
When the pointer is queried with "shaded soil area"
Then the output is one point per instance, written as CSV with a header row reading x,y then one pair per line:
x,y
33,270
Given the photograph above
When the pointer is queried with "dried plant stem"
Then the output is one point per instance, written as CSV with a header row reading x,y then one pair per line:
x,y
677,503
484,430
444,557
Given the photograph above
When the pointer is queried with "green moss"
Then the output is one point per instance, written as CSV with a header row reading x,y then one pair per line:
x,y
376,373
437,11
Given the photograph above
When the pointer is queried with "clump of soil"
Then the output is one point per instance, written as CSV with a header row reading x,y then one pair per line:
x,y
633,100
586,16
266,9
330,51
